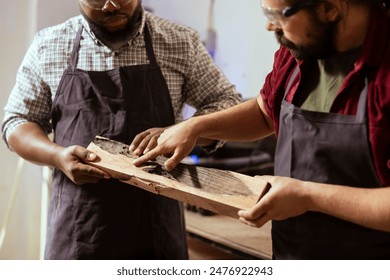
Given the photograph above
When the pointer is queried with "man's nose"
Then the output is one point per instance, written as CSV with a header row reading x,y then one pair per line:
x,y
272,26
111,6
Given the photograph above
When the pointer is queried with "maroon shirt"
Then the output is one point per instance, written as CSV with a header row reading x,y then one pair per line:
x,y
373,63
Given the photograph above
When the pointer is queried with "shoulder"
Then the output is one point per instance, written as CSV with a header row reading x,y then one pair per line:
x,y
169,32
60,36
284,63
273,88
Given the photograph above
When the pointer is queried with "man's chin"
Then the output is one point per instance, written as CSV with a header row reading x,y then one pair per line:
x,y
302,53
117,27
116,23
113,30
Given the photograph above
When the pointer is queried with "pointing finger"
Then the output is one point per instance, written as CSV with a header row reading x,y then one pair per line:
x,y
148,156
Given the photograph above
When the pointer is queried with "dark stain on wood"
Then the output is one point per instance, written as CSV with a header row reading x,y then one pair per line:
x,y
207,179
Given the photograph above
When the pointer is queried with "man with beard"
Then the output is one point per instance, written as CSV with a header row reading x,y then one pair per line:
x,y
328,101
115,71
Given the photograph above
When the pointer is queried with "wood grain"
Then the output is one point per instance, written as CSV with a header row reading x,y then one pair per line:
x,y
220,191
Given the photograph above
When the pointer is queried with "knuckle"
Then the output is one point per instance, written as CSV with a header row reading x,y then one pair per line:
x,y
135,140
148,156
75,169
143,139
72,169
151,144
85,154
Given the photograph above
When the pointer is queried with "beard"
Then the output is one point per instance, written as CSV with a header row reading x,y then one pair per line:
x,y
107,36
323,38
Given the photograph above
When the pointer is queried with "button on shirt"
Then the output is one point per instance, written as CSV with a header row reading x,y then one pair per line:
x,y
191,75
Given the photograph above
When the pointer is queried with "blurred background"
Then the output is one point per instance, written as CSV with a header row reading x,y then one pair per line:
x,y
239,43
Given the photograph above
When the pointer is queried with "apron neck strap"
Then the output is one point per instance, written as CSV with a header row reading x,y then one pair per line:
x,y
74,56
362,104
149,47
291,80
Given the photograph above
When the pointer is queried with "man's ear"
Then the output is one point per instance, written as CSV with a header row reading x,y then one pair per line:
x,y
330,10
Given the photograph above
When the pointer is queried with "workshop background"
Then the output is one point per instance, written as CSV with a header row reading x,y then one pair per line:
x,y
243,50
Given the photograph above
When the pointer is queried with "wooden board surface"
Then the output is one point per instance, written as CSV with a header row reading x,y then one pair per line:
x,y
220,191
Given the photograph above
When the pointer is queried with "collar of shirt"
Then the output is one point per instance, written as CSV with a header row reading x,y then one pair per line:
x,y
135,40
375,39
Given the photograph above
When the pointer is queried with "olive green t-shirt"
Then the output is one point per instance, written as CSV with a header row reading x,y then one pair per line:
x,y
323,83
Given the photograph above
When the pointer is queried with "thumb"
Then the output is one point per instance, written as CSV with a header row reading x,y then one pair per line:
x,y
91,156
173,161
169,165
86,155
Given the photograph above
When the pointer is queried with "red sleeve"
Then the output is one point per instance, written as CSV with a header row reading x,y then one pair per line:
x,y
273,89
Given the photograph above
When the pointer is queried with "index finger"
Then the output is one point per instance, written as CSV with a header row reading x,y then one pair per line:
x,y
152,154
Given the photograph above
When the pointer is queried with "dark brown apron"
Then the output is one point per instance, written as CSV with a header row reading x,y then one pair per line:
x,y
111,220
326,148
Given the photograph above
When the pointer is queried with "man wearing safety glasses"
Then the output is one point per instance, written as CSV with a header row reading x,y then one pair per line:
x,y
328,101
115,71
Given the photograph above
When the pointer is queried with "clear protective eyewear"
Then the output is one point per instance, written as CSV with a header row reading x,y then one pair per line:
x,y
276,15
102,4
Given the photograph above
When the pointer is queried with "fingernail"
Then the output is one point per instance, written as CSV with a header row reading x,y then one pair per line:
x,y
131,148
146,150
91,156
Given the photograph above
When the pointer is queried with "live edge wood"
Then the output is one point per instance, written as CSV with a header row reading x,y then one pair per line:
x,y
220,191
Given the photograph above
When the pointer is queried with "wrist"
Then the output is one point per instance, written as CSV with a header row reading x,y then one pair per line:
x,y
55,156
309,196
194,125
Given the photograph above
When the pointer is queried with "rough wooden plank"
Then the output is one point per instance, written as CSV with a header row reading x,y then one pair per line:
x,y
220,191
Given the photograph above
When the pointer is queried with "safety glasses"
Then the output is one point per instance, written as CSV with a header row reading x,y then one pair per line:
x,y
276,15
102,4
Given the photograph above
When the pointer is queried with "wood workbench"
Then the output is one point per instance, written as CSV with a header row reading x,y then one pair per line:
x,y
230,234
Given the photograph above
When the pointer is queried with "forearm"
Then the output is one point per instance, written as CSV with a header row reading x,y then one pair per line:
x,y
243,122
369,207
31,143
